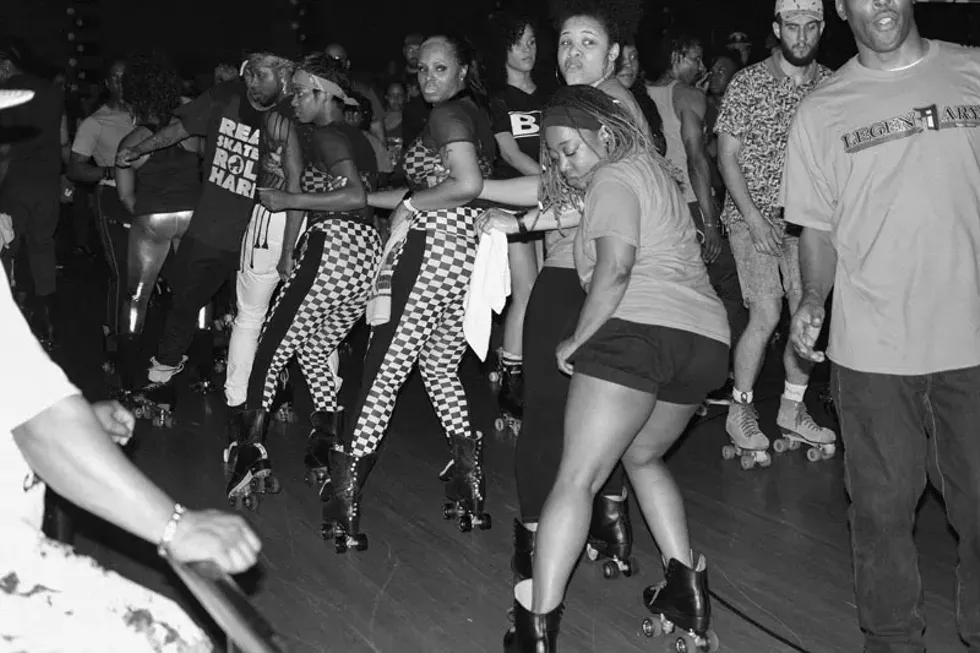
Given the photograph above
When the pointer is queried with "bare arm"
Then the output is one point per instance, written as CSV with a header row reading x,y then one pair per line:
x,y
611,277
462,186
82,168
511,153
349,198
169,135
292,165
69,449
728,149
692,105
522,191
387,199
126,177
818,264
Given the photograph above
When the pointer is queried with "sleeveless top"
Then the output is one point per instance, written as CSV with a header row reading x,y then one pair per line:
x,y
663,96
169,181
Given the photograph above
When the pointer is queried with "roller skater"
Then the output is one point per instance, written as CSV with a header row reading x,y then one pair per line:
x,y
247,466
465,485
681,608
610,540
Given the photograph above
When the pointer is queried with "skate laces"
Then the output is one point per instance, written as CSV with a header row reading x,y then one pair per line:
x,y
803,419
748,420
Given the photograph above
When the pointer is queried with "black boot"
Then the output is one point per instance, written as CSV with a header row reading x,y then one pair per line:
x,y
611,536
682,606
324,436
247,466
466,487
522,562
531,633
342,509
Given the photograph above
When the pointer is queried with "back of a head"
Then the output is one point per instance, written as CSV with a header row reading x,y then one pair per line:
x,y
673,43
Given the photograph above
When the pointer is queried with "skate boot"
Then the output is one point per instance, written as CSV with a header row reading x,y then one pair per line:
x,y
798,428
748,441
327,429
681,608
522,562
510,400
157,400
247,466
342,508
611,537
531,633
466,487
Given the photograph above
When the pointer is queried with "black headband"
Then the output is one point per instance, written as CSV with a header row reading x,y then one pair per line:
x,y
572,117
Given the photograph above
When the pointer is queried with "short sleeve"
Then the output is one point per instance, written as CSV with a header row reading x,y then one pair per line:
x,y
451,123
24,397
332,147
499,116
612,209
86,138
196,115
805,193
736,107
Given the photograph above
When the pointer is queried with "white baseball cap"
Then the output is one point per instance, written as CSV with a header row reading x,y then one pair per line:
x,y
13,98
793,8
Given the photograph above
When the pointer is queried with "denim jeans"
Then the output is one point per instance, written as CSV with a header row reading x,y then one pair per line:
x,y
899,432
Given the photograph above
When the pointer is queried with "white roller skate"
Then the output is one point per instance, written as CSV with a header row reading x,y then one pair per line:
x,y
748,442
798,428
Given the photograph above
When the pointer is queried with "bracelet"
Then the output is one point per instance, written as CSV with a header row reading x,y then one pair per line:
x,y
170,530
521,229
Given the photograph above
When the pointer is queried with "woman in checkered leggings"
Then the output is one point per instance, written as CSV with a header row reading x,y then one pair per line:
x,y
423,282
329,285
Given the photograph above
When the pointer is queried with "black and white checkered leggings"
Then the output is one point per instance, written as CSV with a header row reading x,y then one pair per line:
x,y
313,312
426,326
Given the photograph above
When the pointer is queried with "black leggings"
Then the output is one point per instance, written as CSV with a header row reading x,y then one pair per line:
x,y
552,313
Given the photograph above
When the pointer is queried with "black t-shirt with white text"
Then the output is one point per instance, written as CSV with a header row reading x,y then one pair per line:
x,y
232,128
518,113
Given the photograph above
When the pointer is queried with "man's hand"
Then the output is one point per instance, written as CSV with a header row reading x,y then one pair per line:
x,y
767,237
711,245
274,200
286,265
116,420
804,329
126,156
221,537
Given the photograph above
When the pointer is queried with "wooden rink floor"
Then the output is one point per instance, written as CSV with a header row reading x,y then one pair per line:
x,y
776,539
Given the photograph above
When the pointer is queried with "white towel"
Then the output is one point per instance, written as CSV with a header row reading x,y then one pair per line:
x,y
488,290
6,230
378,310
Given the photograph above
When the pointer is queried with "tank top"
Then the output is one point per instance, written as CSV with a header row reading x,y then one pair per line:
x,y
169,181
663,97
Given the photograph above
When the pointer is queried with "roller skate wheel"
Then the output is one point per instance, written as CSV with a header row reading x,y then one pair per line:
x,y
465,524
628,567
711,639
139,412
499,425
448,511
340,545
311,478
270,485
485,522
764,459
516,428
828,450
702,410
360,542
814,455
609,570
493,377
326,532
781,445
251,502
728,452
108,367
747,461
169,421
591,553
794,445
650,628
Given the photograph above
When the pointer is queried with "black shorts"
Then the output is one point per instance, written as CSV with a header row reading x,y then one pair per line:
x,y
677,366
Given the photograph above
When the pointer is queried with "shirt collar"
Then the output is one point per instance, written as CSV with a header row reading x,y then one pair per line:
x,y
772,63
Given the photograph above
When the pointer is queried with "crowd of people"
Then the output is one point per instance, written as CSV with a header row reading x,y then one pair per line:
x,y
656,221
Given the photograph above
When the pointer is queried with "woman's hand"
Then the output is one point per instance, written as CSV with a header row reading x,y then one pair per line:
x,y
565,351
497,219
220,537
274,200
117,422
286,265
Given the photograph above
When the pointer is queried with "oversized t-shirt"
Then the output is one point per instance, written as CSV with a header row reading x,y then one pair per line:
x,y
889,163
559,244
637,201
517,113
232,128
30,383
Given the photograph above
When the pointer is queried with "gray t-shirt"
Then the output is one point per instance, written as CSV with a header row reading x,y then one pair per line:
x,y
889,163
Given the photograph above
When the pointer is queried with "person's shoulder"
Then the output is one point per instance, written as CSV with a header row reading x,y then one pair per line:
x,y
956,54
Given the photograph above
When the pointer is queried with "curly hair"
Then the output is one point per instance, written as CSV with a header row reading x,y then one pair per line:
x,y
320,64
151,87
620,18
504,31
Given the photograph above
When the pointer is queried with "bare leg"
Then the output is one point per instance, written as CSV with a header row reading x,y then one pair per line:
x,y
523,272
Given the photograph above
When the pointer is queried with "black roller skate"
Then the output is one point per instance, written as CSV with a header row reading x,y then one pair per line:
x,y
248,469
610,539
342,509
326,432
465,485
681,609
157,400
510,400
531,633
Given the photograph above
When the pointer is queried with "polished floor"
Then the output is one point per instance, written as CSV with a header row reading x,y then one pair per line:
x,y
776,539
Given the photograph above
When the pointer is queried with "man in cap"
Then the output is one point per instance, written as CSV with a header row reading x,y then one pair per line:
x,y
883,174
752,129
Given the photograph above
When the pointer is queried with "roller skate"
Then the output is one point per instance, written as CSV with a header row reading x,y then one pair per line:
x,y
531,633
342,508
610,540
327,429
798,428
681,609
511,400
157,400
247,466
747,441
465,485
